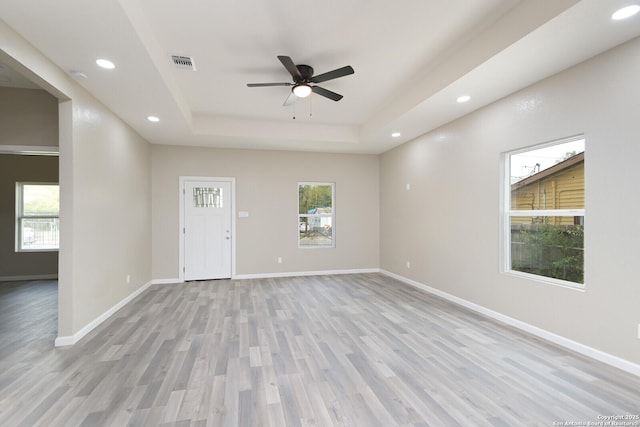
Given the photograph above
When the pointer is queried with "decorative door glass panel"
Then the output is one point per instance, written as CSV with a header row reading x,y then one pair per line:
x,y
207,197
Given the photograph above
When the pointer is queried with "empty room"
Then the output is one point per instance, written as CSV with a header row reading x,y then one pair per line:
x,y
288,213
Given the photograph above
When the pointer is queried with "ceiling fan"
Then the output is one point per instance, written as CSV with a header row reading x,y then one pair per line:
x,y
303,78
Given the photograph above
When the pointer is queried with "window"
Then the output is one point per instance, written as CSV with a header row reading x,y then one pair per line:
x,y
544,212
207,197
316,215
37,216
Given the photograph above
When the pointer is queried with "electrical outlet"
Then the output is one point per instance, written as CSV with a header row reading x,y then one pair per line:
x,y
408,264
639,331
128,279
279,260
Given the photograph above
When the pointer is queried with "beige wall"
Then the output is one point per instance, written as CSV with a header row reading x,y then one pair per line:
x,y
28,117
16,168
105,201
266,187
112,210
448,224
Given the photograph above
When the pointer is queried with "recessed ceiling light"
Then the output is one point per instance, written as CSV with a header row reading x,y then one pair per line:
x,y
626,12
463,98
153,119
395,134
105,63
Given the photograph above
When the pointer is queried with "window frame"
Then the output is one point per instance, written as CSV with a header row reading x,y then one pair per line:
x,y
508,213
20,217
332,215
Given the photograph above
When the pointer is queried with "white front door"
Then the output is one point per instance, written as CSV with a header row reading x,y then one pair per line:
x,y
207,230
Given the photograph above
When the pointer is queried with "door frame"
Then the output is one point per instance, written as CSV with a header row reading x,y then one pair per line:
x,y
181,198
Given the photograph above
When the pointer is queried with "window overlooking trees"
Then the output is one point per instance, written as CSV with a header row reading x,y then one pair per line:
x,y
37,216
316,215
544,211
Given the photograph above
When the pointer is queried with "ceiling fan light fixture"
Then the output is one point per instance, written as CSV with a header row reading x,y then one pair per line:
x,y
302,90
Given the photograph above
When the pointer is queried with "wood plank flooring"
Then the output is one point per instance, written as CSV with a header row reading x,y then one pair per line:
x,y
351,350
28,322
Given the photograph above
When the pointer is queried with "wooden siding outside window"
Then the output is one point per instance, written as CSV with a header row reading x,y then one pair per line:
x,y
559,187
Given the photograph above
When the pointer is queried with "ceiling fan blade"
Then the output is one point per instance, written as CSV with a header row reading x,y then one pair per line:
x,y
268,84
290,100
291,67
339,72
326,93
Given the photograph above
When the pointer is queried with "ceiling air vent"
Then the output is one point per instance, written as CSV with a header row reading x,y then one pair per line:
x,y
184,62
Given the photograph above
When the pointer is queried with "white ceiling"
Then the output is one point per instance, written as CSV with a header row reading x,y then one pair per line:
x,y
412,58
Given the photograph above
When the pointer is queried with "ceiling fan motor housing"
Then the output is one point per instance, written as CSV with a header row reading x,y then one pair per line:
x,y
307,73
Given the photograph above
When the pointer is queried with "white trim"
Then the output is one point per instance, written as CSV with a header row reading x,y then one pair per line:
x,y
546,144
182,180
274,275
306,273
166,281
505,220
71,340
548,280
591,352
39,150
53,276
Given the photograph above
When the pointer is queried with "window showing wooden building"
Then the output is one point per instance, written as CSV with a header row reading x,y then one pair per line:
x,y
558,187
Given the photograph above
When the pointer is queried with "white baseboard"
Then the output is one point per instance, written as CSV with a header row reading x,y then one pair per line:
x,y
591,352
166,281
273,275
305,273
52,276
71,340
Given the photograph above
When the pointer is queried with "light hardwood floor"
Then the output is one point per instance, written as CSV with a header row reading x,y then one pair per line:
x,y
352,350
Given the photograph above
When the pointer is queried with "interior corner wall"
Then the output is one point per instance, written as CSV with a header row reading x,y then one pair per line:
x,y
448,224
105,200
17,168
266,188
